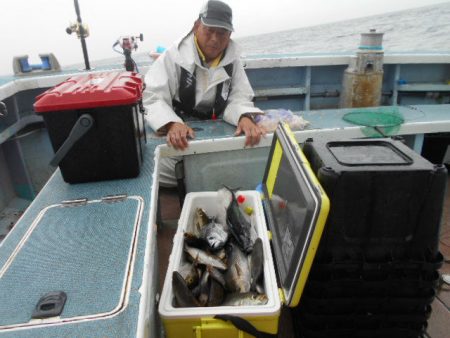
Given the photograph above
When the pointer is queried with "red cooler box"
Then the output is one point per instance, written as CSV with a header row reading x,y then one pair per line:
x,y
95,125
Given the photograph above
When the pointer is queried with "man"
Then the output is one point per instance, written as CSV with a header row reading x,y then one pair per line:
x,y
200,77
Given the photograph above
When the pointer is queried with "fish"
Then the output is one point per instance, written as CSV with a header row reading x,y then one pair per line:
x,y
216,275
237,276
215,234
256,265
209,291
183,296
200,220
194,241
221,254
202,257
216,293
245,299
189,274
238,224
203,289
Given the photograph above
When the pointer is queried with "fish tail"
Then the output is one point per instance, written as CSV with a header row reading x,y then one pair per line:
x,y
232,190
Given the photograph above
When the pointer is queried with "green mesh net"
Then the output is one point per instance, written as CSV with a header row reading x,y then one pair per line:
x,y
380,122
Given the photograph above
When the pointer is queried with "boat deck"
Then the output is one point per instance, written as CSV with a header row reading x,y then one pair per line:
x,y
437,325
138,315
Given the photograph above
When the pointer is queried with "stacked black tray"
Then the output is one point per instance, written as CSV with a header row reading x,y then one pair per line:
x,y
375,272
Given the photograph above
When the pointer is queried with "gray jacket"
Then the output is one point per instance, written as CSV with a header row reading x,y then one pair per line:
x,y
163,79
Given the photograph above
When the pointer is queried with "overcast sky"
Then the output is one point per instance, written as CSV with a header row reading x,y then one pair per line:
x,y
38,26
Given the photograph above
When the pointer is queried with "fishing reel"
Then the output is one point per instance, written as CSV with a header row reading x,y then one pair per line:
x,y
82,30
128,44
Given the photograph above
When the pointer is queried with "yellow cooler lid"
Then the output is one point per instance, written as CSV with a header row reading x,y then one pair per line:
x,y
296,207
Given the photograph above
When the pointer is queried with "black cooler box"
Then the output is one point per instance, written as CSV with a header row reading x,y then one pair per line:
x,y
95,125
386,200
375,272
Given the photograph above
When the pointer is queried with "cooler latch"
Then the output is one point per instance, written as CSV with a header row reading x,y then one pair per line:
x,y
50,305
81,127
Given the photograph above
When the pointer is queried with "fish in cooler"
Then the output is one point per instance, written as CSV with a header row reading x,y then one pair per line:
x,y
245,299
219,267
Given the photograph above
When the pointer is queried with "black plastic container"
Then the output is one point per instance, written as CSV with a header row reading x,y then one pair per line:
x,y
95,126
386,200
375,273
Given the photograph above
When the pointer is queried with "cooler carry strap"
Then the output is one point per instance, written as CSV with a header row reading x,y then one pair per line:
x,y
245,326
83,124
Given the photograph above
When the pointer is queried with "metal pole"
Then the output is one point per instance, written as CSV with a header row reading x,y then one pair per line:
x,y
83,41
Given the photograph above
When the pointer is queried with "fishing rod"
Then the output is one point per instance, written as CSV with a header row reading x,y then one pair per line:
x,y
82,33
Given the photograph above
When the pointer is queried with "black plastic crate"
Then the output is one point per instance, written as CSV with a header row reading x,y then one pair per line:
x,y
367,321
326,270
325,303
303,331
386,200
391,286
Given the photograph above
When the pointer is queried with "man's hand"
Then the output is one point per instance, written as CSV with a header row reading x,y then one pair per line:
x,y
178,134
252,132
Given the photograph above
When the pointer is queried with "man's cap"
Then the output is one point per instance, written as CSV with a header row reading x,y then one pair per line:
x,y
217,14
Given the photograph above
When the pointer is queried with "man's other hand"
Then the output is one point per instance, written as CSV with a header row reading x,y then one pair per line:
x,y
178,134
252,131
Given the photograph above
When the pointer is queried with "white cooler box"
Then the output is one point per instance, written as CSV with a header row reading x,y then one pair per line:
x,y
188,321
294,241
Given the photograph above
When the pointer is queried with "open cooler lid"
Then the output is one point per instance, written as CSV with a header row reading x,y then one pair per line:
x,y
92,91
296,207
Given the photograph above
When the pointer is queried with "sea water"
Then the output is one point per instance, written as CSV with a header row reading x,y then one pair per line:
x,y
420,30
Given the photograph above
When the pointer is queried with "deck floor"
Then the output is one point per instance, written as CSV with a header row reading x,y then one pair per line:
x,y
11,214
438,326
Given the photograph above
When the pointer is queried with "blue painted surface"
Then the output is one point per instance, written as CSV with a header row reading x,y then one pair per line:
x,y
293,103
364,47
81,252
6,79
24,191
290,55
333,118
286,77
56,190
425,73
